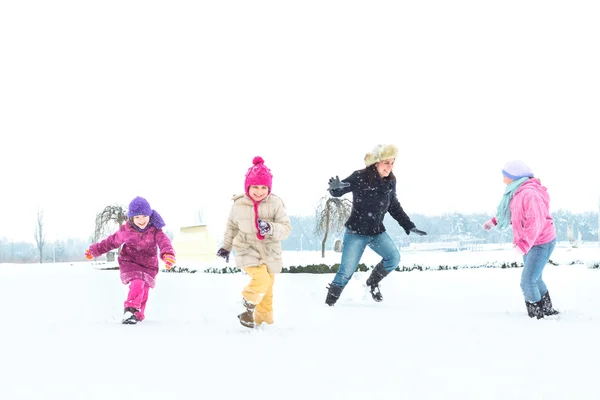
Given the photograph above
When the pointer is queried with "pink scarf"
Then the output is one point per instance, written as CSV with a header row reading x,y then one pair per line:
x,y
258,235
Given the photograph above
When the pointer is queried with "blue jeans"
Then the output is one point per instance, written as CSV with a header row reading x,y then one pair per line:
x,y
353,248
534,261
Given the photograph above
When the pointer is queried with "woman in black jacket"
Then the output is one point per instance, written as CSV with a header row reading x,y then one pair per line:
x,y
373,195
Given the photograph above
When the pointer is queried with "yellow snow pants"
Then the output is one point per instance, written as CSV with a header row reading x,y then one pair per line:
x,y
260,292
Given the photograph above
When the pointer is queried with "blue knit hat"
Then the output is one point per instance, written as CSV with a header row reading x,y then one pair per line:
x,y
516,169
140,206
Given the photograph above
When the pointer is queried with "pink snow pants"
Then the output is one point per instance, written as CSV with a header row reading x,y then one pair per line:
x,y
137,297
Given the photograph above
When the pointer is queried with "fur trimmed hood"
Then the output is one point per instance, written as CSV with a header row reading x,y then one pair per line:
x,y
381,152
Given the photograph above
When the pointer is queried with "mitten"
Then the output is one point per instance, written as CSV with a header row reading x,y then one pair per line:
x,y
518,250
88,254
169,260
418,232
223,253
489,224
335,183
263,227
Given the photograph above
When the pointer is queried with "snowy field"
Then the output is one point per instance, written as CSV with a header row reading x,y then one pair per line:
x,y
460,334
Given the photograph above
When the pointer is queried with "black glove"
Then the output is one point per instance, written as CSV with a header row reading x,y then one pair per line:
x,y
223,253
335,183
418,232
263,227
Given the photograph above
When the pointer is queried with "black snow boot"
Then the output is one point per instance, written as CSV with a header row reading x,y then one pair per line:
x,y
535,309
377,275
129,317
247,317
547,305
333,294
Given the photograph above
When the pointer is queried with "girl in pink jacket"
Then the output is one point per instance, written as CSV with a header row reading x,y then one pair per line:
x,y
138,260
526,206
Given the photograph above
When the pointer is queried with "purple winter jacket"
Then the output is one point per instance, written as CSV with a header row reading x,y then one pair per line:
x,y
530,216
138,258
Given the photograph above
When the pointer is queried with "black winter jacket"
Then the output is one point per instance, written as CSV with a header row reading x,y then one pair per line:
x,y
372,197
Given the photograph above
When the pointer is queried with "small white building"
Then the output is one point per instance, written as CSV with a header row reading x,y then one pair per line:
x,y
194,244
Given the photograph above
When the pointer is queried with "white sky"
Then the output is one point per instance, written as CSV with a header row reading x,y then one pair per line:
x,y
100,102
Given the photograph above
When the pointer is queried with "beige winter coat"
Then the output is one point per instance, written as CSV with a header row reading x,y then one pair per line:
x,y
241,232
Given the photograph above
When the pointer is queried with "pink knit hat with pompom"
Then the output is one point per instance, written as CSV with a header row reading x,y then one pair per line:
x,y
258,174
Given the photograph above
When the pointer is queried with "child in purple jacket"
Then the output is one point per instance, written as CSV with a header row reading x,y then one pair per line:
x,y
525,206
138,261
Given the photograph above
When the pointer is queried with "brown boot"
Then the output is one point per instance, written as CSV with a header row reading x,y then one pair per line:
x,y
247,317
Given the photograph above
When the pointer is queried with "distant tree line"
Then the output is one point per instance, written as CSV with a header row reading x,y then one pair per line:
x,y
307,235
58,251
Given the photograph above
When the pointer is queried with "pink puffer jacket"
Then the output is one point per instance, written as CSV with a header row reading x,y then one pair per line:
x,y
530,216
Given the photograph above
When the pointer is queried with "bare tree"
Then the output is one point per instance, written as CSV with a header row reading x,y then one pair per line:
x,y
332,214
40,235
574,240
111,214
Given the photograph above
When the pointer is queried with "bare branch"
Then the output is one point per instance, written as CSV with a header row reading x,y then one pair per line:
x,y
40,235
332,214
111,214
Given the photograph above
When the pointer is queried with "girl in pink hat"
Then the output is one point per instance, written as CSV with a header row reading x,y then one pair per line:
x,y
257,224
525,206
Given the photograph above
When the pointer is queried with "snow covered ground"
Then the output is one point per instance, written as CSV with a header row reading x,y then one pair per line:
x,y
460,334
